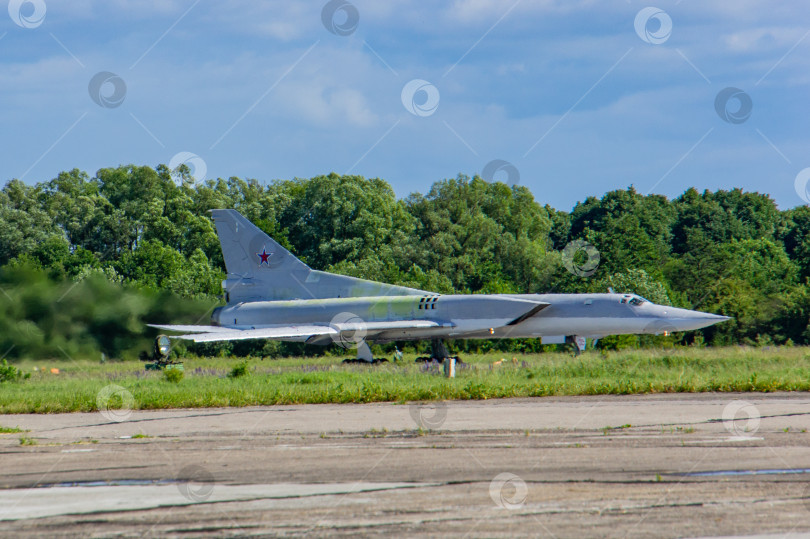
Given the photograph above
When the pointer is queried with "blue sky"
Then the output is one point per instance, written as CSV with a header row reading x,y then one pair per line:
x,y
568,92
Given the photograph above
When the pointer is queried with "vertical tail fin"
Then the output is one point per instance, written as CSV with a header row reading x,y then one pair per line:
x,y
256,262
259,269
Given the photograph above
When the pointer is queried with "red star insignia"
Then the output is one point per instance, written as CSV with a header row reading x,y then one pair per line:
x,y
263,256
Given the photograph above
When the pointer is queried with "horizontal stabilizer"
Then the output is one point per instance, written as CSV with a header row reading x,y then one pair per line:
x,y
294,333
190,329
287,333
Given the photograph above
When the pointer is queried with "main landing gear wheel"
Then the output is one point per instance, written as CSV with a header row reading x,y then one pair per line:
x,y
428,359
438,353
356,361
576,343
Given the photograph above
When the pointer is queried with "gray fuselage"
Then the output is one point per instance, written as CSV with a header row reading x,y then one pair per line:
x,y
474,316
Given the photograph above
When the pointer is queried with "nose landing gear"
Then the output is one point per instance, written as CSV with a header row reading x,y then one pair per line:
x,y
159,359
364,356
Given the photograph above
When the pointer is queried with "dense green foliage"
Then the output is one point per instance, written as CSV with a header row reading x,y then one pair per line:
x,y
173,375
86,261
42,317
10,373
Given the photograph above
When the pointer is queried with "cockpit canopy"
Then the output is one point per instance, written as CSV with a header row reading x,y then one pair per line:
x,y
634,300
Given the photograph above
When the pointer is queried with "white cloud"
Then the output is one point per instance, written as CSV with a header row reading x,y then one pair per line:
x,y
339,100
503,69
116,9
324,106
755,40
283,21
489,11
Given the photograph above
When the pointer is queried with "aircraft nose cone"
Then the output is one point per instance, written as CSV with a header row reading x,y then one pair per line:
x,y
675,319
715,318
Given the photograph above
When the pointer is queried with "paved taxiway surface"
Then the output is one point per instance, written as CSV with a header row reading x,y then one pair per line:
x,y
619,466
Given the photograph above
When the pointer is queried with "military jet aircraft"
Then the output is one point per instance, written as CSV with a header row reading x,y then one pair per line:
x,y
270,294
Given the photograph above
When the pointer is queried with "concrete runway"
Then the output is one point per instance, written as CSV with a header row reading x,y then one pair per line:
x,y
608,466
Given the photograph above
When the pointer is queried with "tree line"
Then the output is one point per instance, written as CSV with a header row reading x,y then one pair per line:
x,y
85,261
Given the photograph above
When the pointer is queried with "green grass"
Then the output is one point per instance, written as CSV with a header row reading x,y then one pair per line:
x,y
325,379
173,375
10,430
